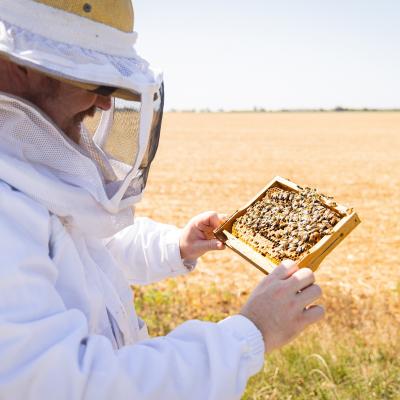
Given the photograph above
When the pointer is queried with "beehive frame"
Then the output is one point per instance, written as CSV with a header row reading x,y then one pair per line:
x,y
311,258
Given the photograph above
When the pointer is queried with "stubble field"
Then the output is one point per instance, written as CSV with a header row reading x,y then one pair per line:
x,y
218,161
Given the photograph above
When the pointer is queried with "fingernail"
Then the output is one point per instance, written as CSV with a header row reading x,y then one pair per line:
x,y
288,263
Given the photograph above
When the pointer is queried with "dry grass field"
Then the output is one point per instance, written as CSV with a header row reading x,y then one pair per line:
x,y
218,161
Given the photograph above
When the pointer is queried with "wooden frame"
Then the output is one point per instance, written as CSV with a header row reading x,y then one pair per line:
x,y
311,258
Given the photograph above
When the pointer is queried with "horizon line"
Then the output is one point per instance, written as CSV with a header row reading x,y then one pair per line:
x,y
287,110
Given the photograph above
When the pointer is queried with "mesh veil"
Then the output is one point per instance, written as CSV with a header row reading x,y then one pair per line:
x,y
112,139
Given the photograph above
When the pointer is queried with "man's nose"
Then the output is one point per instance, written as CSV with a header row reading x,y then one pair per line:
x,y
103,102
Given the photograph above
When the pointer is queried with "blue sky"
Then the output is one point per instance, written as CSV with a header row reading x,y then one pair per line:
x,y
230,54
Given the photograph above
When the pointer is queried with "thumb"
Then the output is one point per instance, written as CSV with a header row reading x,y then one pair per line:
x,y
209,245
285,269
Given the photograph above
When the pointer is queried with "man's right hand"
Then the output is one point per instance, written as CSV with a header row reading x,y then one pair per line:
x,y
279,305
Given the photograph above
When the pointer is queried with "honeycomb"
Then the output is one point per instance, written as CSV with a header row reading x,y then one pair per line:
x,y
285,224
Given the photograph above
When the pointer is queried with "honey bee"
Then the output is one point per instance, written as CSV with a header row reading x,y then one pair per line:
x,y
292,222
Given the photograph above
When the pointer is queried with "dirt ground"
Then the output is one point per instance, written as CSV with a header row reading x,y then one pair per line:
x,y
218,161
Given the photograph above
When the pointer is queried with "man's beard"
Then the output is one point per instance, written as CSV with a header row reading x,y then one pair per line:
x,y
73,131
88,113
50,93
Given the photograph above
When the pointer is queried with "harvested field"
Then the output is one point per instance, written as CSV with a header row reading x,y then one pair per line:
x,y
219,161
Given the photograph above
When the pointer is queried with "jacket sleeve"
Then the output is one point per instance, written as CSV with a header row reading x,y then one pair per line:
x,y
149,252
47,352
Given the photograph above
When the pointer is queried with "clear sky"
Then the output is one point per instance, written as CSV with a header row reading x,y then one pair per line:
x,y
277,54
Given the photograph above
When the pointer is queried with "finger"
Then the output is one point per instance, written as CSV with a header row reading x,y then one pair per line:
x,y
313,314
208,221
301,279
222,218
219,245
308,295
285,269
215,221
209,245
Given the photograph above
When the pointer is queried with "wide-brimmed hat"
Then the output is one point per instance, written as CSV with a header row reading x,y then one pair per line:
x,y
89,44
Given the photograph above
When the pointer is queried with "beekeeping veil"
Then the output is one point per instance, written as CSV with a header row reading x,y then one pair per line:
x,y
90,44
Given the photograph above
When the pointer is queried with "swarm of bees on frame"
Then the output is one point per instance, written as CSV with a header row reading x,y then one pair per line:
x,y
286,224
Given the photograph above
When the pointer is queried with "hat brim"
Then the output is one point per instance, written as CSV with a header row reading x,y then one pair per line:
x,y
120,93
125,77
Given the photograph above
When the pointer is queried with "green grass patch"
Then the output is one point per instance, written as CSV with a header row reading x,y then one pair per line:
x,y
309,369
353,354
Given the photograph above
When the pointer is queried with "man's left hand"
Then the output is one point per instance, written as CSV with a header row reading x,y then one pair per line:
x,y
197,236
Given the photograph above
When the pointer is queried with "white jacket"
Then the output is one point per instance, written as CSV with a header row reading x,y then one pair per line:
x,y
68,328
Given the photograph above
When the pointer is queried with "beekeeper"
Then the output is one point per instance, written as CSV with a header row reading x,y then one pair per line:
x,y
69,244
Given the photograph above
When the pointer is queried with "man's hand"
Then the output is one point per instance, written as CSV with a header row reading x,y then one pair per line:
x,y
280,305
197,236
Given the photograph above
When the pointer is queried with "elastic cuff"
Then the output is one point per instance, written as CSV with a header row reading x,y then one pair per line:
x,y
174,254
243,329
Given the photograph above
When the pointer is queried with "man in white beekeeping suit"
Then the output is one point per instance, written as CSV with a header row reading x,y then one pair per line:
x,y
69,244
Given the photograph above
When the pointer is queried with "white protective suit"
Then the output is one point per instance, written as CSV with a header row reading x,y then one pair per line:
x,y
68,329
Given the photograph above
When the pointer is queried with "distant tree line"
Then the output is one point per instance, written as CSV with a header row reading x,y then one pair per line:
x,y
264,110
